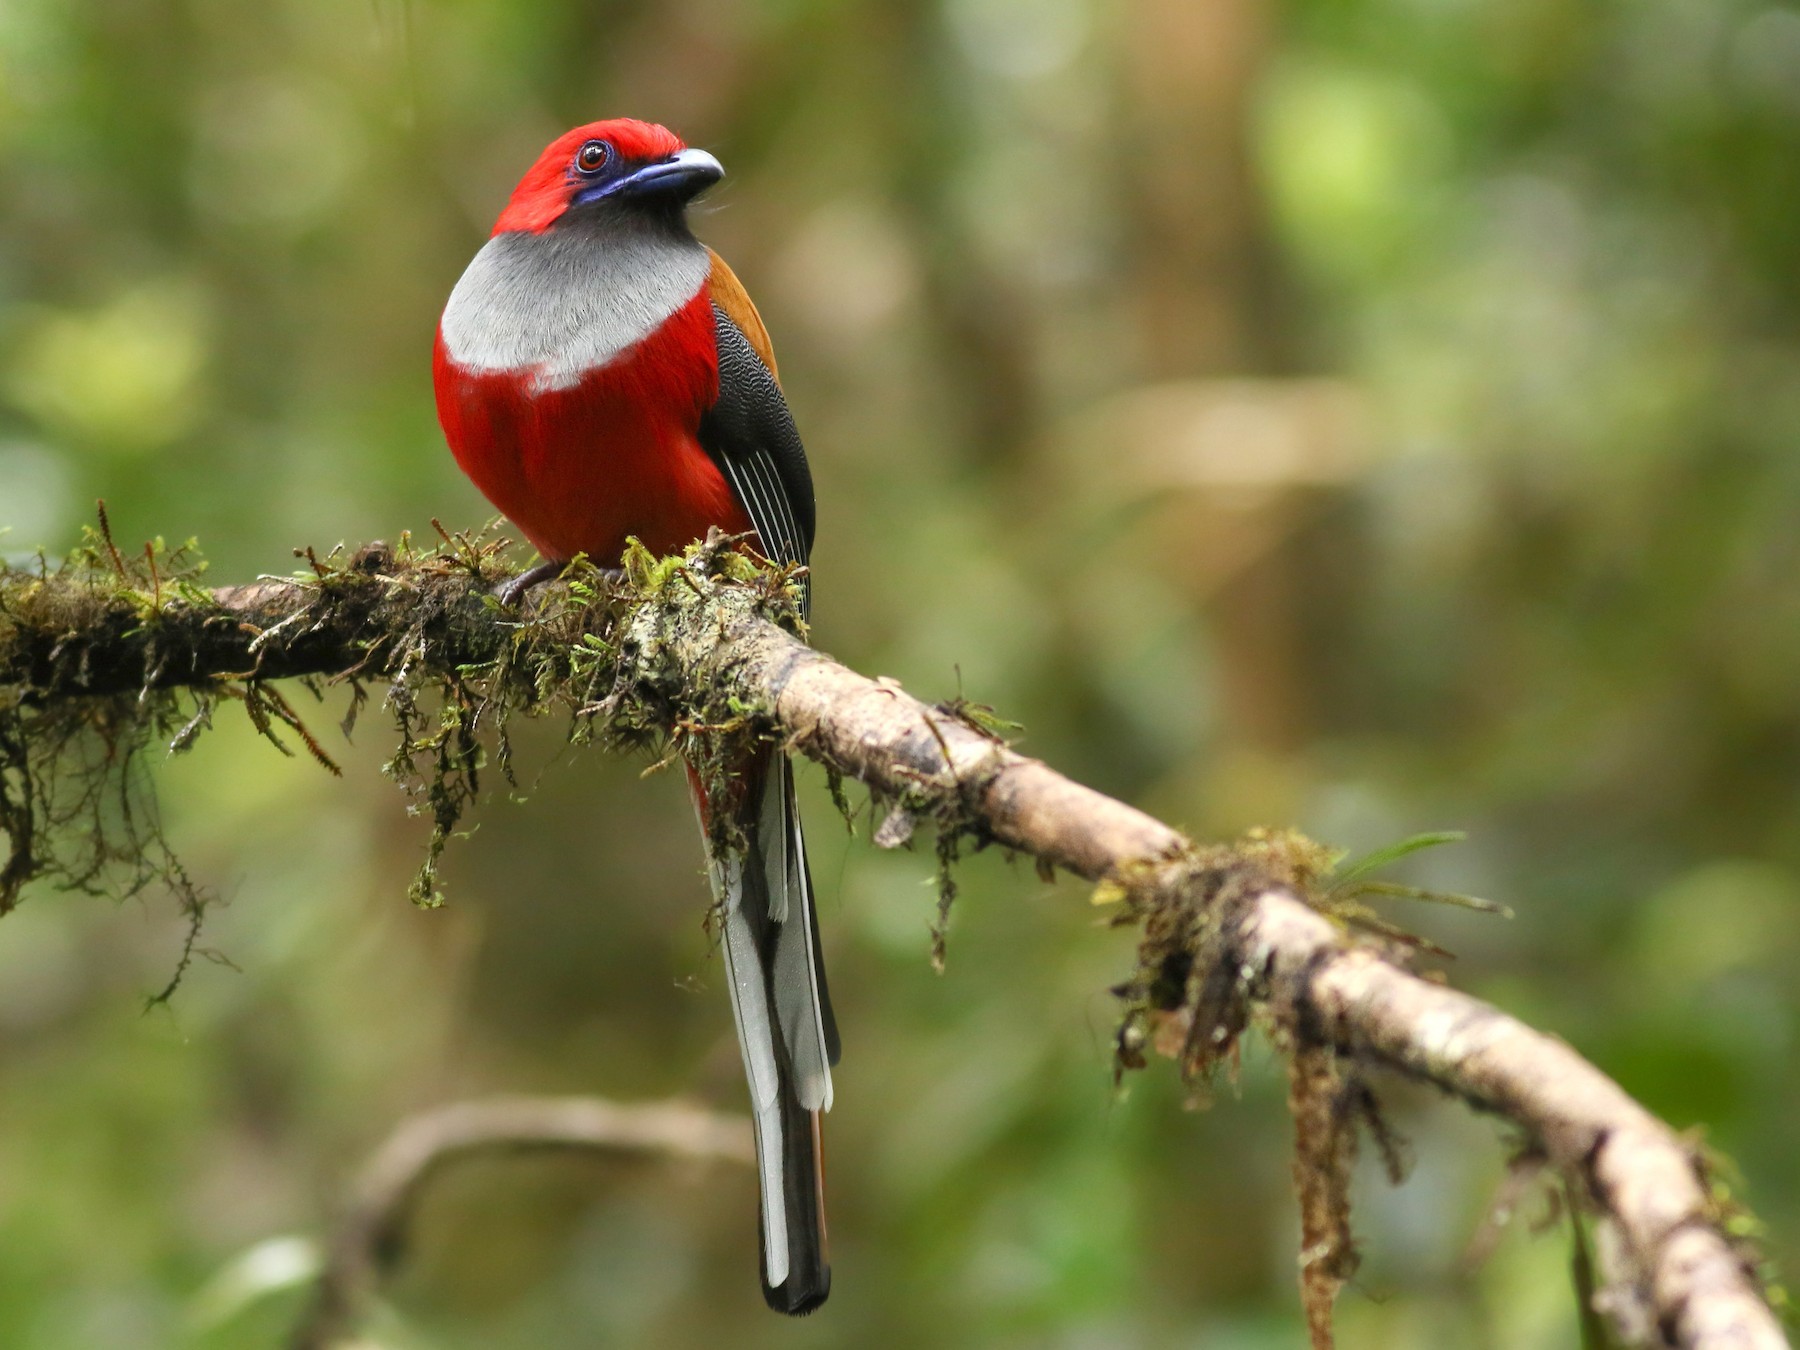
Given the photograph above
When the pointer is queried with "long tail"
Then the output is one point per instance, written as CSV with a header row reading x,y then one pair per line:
x,y
784,1022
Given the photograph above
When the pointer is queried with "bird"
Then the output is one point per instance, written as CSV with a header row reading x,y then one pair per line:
x,y
602,375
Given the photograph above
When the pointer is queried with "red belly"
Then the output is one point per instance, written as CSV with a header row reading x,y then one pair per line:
x,y
578,470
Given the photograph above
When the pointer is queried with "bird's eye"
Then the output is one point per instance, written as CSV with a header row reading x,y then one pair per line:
x,y
592,157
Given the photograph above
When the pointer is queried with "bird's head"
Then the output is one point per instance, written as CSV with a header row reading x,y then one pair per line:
x,y
620,164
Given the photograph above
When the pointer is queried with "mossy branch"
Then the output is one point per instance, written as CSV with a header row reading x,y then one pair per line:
x,y
700,651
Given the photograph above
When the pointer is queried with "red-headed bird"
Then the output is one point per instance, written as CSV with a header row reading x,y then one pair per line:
x,y
600,373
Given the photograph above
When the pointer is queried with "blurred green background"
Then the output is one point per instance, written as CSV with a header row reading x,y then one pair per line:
x,y
1367,415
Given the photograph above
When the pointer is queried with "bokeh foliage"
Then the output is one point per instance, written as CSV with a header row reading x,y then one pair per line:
x,y
1367,415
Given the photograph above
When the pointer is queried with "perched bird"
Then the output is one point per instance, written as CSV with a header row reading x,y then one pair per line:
x,y
601,374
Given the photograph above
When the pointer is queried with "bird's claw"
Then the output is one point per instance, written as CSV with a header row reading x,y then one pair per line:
x,y
511,591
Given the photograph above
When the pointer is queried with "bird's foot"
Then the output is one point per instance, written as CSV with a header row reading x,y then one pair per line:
x,y
512,591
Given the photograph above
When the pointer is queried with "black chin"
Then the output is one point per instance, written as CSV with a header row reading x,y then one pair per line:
x,y
660,214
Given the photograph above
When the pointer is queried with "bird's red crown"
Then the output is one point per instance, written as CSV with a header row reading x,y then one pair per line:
x,y
543,194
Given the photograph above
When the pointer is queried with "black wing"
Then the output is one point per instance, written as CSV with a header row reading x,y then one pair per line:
x,y
752,438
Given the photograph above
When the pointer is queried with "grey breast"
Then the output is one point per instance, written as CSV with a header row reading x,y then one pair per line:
x,y
574,297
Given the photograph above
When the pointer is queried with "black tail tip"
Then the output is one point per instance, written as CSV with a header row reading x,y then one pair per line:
x,y
799,1296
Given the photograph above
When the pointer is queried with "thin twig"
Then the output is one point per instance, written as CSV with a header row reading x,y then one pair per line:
x,y
370,1235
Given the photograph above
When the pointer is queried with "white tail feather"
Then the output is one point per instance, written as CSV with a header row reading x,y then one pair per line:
x,y
750,1014
781,997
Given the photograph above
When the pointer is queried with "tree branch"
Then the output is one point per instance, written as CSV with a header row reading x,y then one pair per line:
x,y
370,1235
695,650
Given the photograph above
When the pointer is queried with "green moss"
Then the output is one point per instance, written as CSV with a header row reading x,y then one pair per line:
x,y
103,656
76,810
